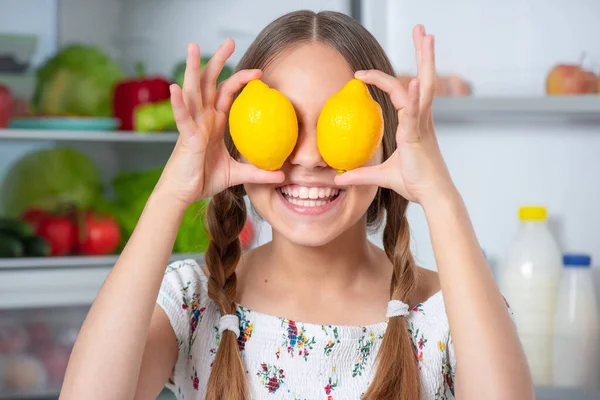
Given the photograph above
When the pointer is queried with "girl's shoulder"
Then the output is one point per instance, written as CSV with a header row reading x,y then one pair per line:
x,y
187,271
185,284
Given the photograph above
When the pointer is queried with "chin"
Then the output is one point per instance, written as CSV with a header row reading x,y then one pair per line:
x,y
311,214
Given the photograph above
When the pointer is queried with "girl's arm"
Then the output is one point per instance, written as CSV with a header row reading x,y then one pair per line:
x,y
107,357
490,360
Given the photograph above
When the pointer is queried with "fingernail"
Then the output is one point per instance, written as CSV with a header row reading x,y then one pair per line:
x,y
360,74
423,29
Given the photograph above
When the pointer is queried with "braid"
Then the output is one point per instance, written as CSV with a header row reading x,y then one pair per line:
x,y
397,376
225,219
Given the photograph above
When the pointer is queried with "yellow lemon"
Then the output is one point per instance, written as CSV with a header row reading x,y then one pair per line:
x,y
263,125
350,127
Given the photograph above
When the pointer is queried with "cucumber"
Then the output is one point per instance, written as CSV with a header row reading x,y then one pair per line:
x,y
36,247
15,227
10,246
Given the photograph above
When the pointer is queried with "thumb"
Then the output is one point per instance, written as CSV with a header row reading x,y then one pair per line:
x,y
247,173
374,175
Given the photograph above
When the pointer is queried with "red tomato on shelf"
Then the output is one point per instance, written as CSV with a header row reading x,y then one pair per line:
x,y
34,216
60,232
101,235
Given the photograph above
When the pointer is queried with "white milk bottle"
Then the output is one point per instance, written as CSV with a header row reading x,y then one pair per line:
x,y
576,326
529,281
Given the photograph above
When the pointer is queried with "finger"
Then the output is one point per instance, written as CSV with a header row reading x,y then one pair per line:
x,y
192,93
213,68
418,35
374,175
248,173
408,131
229,87
185,124
427,74
387,83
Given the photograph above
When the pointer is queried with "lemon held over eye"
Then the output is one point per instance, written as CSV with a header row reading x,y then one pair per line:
x,y
263,125
350,127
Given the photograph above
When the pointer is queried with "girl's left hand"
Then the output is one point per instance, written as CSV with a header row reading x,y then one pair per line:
x,y
416,170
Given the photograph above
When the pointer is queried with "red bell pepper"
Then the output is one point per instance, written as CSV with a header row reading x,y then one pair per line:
x,y
130,93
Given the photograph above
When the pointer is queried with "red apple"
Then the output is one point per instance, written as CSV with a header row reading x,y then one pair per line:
x,y
6,106
247,234
570,79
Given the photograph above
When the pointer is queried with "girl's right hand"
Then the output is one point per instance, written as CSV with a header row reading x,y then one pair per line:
x,y
200,165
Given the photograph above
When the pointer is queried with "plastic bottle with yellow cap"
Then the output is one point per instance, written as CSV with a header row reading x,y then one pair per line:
x,y
529,281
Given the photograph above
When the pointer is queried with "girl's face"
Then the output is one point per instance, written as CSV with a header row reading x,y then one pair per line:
x,y
308,209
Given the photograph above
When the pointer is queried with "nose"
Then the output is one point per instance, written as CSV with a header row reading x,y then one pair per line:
x,y
306,153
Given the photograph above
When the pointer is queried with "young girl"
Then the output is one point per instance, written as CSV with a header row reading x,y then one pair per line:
x,y
319,312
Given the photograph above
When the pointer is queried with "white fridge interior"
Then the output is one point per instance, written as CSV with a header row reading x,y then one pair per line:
x,y
506,146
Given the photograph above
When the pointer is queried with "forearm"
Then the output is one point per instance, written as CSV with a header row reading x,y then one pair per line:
x,y
106,358
490,360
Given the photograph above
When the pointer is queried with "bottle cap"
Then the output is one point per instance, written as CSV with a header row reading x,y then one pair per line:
x,y
577,260
533,213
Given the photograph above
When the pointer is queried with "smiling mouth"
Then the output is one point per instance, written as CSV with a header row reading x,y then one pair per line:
x,y
305,196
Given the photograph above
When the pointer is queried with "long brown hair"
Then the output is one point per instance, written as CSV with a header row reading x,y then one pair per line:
x,y
397,374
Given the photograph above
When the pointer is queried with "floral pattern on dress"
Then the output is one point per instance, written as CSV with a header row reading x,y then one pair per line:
x,y
418,308
195,380
295,340
335,338
447,370
246,327
365,348
271,377
191,304
419,342
332,384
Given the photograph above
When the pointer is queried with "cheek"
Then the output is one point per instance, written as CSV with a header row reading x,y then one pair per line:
x,y
362,196
258,195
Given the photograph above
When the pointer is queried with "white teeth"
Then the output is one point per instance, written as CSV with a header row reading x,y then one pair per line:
x,y
303,192
308,196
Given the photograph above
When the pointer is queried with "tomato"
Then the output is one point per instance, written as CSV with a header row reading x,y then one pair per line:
x,y
60,232
247,234
101,235
33,216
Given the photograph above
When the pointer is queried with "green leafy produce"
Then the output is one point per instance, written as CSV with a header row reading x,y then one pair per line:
x,y
152,117
10,246
50,179
78,81
133,190
179,71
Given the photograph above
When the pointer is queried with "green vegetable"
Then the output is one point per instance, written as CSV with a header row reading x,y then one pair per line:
x,y
133,190
50,179
36,247
152,117
78,80
179,71
192,236
10,246
15,227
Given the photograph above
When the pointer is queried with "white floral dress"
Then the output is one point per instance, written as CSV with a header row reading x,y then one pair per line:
x,y
288,359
